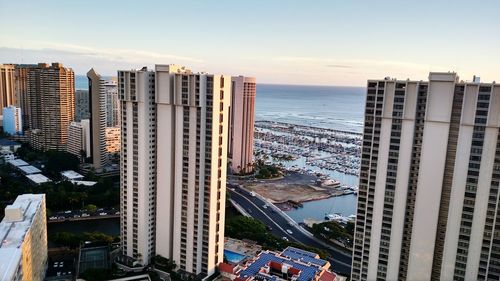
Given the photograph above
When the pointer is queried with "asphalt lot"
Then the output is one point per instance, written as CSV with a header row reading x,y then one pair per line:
x,y
340,261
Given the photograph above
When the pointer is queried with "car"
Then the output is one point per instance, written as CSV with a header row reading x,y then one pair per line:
x,y
269,228
285,238
76,216
85,215
289,231
53,218
249,211
264,206
103,214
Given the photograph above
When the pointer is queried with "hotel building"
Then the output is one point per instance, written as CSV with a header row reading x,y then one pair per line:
x,y
242,120
174,154
97,94
429,182
23,239
21,90
51,98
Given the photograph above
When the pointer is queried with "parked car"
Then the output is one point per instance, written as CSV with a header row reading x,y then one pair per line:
x,y
285,238
289,231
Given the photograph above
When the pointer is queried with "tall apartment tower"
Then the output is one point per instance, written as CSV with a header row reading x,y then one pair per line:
x,y
429,184
97,101
23,239
21,90
174,150
112,104
138,163
51,96
82,107
7,92
242,121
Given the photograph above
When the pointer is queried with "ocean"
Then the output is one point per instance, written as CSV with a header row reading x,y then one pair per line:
x,y
328,107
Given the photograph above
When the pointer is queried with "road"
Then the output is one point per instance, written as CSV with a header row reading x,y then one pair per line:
x,y
340,261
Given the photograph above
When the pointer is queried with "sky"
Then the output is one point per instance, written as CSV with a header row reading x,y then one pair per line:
x,y
322,42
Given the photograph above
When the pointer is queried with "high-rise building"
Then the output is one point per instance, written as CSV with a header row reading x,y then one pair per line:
x,y
51,98
97,95
112,104
242,121
23,239
429,183
113,139
173,161
82,106
79,143
21,90
12,120
7,93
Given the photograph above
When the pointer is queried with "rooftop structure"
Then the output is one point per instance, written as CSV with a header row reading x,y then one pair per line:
x,y
38,178
71,175
84,183
28,169
24,223
291,264
18,162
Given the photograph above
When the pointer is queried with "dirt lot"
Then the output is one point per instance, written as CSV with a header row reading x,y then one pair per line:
x,y
280,192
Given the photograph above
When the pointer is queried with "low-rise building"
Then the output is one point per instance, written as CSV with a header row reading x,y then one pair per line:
x,y
71,175
78,142
8,145
23,239
290,264
38,179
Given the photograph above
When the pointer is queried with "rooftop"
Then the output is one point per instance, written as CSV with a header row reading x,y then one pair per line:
x,y
13,228
38,178
71,175
28,170
297,264
18,162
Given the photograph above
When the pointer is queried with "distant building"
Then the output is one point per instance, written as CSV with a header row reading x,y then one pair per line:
x,y
97,95
173,165
23,244
82,106
79,139
7,94
112,103
21,90
71,175
290,264
51,98
12,120
429,181
113,139
8,145
242,118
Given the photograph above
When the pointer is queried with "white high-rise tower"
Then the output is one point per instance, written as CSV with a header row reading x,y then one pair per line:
x,y
174,157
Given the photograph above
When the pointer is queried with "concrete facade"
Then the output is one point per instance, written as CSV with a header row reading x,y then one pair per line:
x,y
428,192
79,142
174,155
23,244
97,100
51,98
242,121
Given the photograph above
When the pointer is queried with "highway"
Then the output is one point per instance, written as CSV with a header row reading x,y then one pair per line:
x,y
254,206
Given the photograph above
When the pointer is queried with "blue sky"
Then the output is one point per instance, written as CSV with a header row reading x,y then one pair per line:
x,y
328,42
